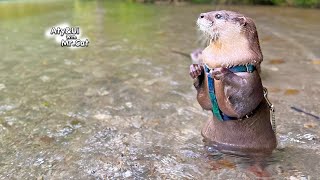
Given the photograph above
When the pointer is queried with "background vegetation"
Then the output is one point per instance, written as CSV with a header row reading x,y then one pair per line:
x,y
295,3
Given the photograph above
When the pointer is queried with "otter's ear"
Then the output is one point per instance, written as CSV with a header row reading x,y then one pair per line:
x,y
241,20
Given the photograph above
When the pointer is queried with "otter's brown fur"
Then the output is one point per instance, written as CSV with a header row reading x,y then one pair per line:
x,y
233,41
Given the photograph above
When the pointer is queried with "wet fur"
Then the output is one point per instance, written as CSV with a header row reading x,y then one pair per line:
x,y
232,37
234,41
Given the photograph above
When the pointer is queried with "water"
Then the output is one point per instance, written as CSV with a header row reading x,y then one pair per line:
x,y
124,107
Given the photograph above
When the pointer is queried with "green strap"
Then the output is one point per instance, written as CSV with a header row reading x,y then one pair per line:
x,y
215,107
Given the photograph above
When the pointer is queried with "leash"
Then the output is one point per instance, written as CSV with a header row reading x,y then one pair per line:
x,y
272,110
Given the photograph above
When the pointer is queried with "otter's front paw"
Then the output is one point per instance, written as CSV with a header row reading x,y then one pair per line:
x,y
219,73
195,70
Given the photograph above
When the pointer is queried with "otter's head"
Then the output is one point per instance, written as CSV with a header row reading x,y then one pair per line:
x,y
233,38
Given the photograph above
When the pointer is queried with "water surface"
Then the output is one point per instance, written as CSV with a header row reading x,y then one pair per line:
x,y
125,106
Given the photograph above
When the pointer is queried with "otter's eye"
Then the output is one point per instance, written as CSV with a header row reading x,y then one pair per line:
x,y
218,16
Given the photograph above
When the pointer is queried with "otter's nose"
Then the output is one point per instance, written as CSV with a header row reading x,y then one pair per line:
x,y
201,15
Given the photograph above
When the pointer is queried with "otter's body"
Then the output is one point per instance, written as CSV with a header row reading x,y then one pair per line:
x,y
234,42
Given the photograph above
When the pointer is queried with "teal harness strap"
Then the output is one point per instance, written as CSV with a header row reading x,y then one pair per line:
x,y
243,68
215,107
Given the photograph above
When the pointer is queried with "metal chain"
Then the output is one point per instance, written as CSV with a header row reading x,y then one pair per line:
x,y
272,109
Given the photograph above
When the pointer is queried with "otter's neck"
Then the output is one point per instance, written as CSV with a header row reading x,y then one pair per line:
x,y
228,51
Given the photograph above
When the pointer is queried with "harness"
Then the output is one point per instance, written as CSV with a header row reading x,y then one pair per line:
x,y
215,107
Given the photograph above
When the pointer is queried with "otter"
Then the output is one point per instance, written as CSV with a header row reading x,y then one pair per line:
x,y
228,83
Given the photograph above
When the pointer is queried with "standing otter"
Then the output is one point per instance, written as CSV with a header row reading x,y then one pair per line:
x,y
228,84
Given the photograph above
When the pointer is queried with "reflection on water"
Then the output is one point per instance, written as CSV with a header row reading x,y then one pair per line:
x,y
125,106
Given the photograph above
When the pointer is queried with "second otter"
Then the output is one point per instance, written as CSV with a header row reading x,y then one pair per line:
x,y
228,84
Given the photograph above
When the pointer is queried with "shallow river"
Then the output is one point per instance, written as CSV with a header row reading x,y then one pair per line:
x,y
124,107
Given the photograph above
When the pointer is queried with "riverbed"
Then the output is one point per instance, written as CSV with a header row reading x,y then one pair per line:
x,y
125,107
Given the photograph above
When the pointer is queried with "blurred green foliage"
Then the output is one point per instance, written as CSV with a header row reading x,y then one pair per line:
x,y
298,3
301,3
201,1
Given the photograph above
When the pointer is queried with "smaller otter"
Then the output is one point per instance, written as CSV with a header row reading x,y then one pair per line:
x,y
228,83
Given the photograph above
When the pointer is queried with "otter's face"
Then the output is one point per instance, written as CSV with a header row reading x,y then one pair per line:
x,y
218,24
233,39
